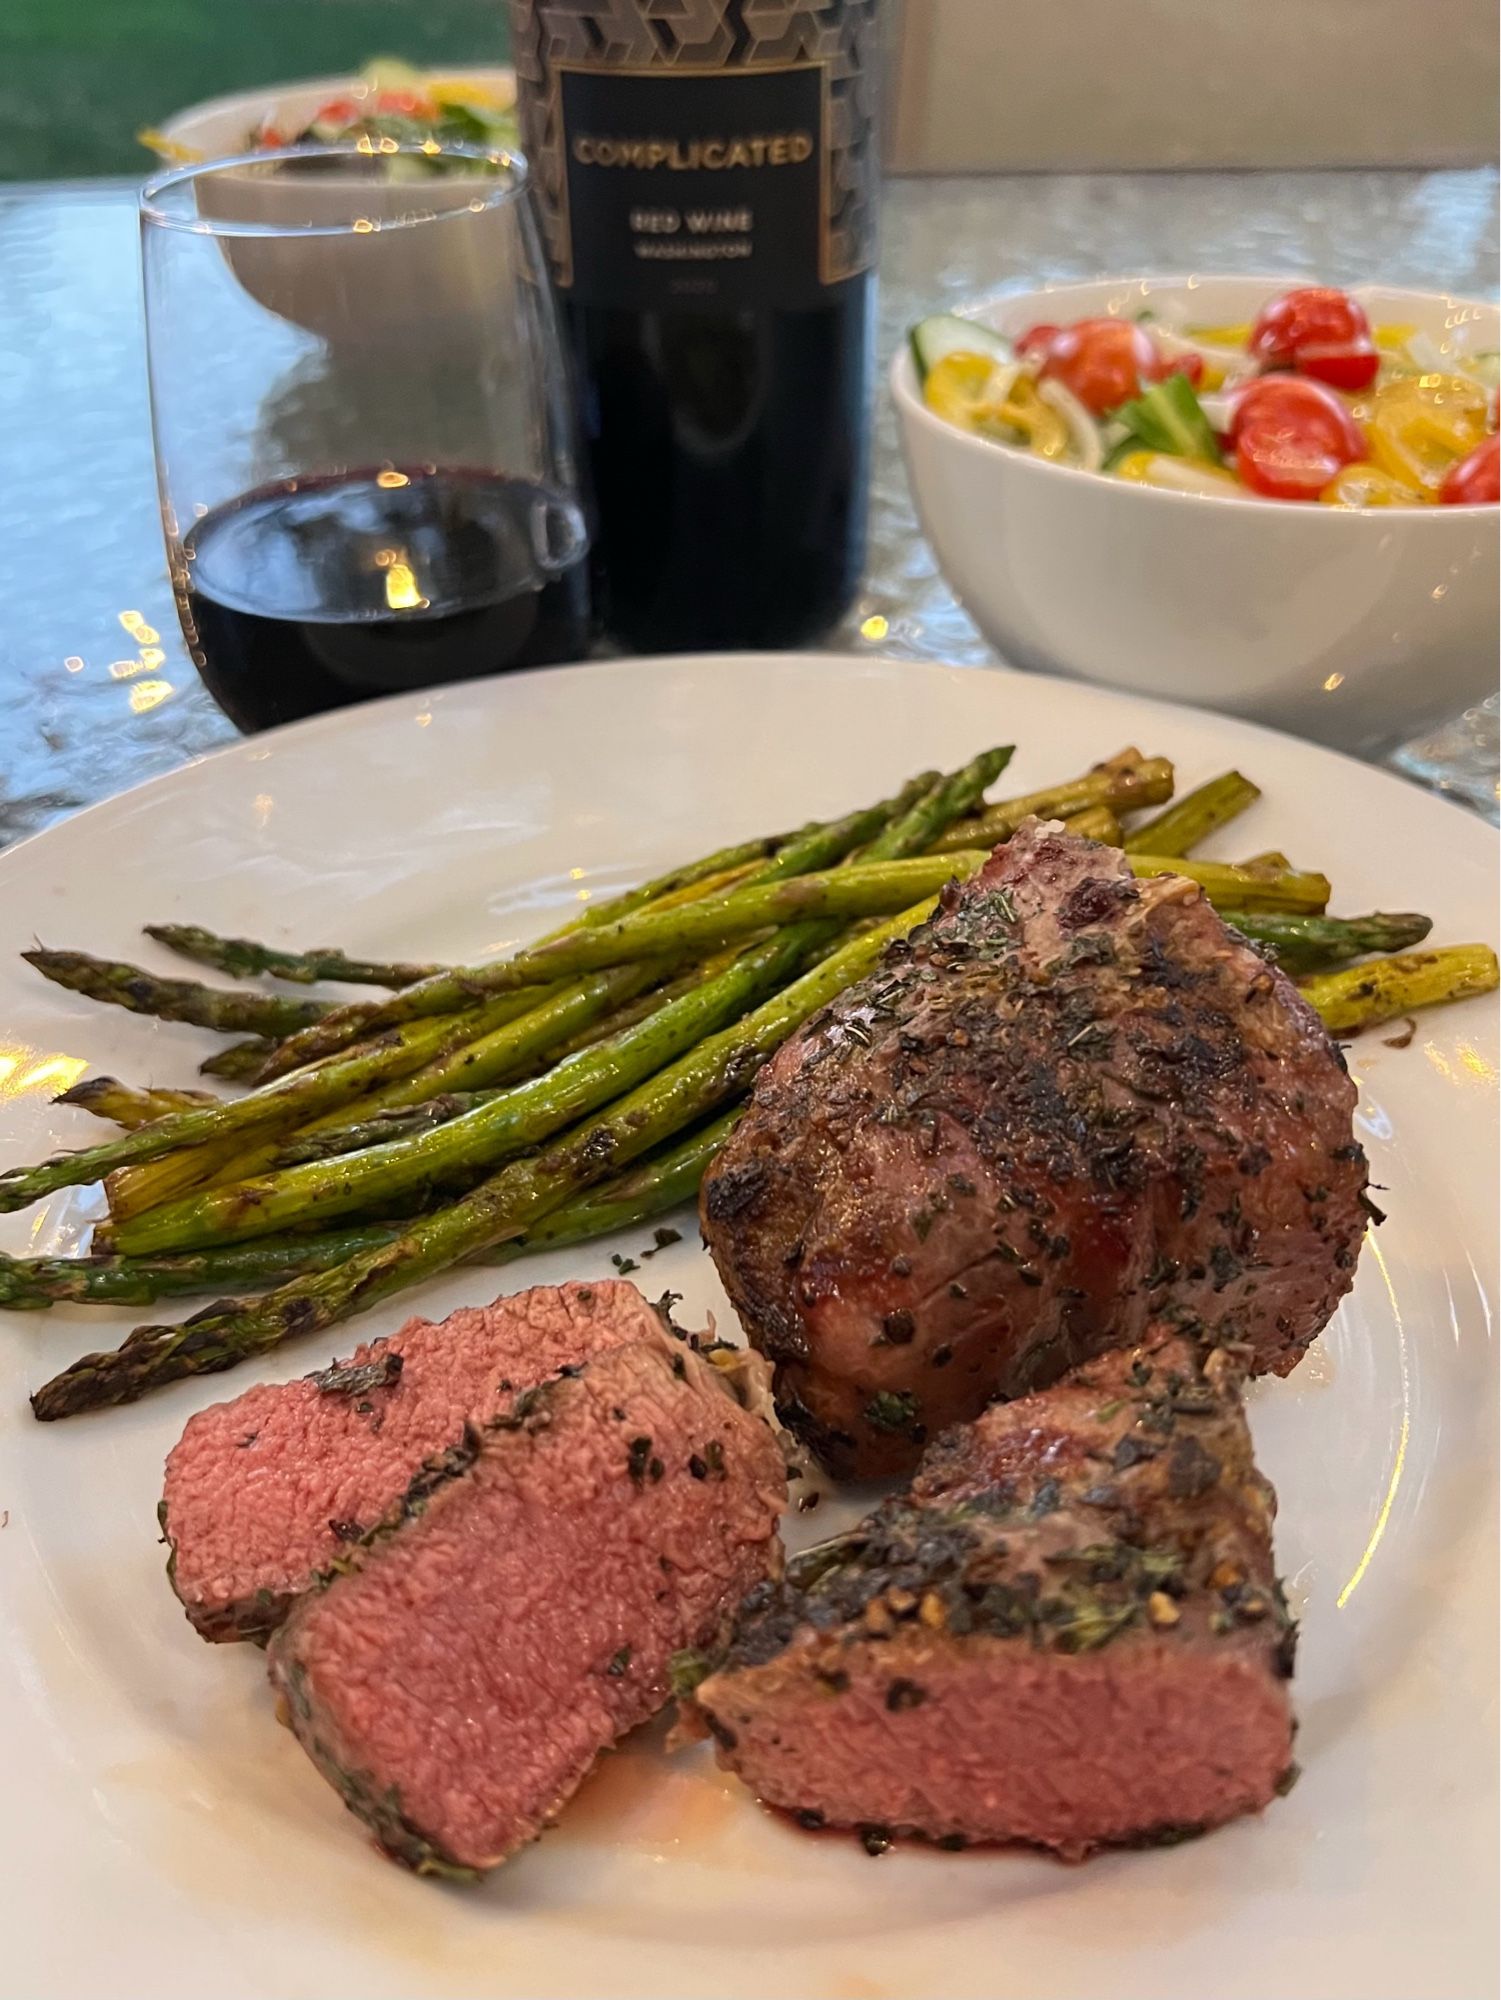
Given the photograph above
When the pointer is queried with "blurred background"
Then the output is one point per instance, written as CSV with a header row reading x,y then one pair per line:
x,y
981,85
81,77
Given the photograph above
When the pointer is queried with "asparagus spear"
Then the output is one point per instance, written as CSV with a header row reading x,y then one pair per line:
x,y
364,1183
378,1129
1230,888
126,1105
1308,944
240,1062
185,1000
243,958
508,1037
1194,817
866,889
1096,823
500,1210
661,1182
1383,989
1149,783
277,1107
463,986
508,1050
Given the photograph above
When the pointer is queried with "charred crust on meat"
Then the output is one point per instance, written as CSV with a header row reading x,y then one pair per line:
x,y
360,1378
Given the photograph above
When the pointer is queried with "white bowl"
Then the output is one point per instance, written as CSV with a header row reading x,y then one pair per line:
x,y
1359,629
368,290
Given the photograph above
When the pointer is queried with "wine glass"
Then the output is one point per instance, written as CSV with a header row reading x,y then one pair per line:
x,y
365,443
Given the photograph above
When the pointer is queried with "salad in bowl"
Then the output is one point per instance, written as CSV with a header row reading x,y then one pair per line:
x,y
388,105
1307,401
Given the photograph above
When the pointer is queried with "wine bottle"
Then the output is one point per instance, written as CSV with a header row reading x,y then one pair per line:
x,y
707,172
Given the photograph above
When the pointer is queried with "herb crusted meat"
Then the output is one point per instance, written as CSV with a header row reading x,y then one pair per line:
x,y
1071,1104
263,1492
1067,1634
456,1674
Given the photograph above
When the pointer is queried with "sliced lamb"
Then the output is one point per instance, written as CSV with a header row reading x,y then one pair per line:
x,y
459,1673
263,1492
1068,1634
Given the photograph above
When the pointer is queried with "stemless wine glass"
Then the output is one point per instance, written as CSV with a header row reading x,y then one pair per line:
x,y
364,441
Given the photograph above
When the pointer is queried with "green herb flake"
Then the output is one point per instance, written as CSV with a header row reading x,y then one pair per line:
x,y
893,1410
686,1669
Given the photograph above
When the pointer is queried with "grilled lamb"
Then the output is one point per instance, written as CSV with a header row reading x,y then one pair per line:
x,y
1067,1634
263,1492
1069,1105
458,1673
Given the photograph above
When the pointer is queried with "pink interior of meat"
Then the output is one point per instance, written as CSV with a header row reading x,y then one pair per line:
x,y
996,1741
264,1490
480,1660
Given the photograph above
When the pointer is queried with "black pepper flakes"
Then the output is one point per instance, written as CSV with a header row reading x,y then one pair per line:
x,y
904,1694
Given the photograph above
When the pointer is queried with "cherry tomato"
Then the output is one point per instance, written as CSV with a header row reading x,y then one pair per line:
x,y
337,111
1319,331
1191,365
1291,437
404,104
1474,481
1103,361
1036,338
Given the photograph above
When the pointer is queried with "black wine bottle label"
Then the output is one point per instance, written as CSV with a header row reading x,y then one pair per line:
x,y
702,152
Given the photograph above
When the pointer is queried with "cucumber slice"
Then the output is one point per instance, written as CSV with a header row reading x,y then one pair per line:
x,y
944,334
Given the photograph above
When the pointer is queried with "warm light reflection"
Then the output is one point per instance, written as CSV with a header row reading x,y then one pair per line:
x,y
24,1068
391,477
261,806
1384,1515
146,695
1334,681
402,593
874,627
139,630
1477,1064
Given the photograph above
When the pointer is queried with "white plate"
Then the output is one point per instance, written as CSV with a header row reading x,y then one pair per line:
x,y
161,1836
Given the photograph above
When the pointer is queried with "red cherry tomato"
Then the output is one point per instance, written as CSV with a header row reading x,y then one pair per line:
x,y
1191,365
1319,331
1103,361
337,111
1474,481
1037,339
404,104
1291,437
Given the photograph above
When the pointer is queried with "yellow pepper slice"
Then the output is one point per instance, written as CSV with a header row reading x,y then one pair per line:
x,y
1366,485
1222,336
1421,424
1178,475
955,387
1024,410
963,388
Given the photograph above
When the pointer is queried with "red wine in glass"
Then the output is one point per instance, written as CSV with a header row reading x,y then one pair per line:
x,y
314,593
